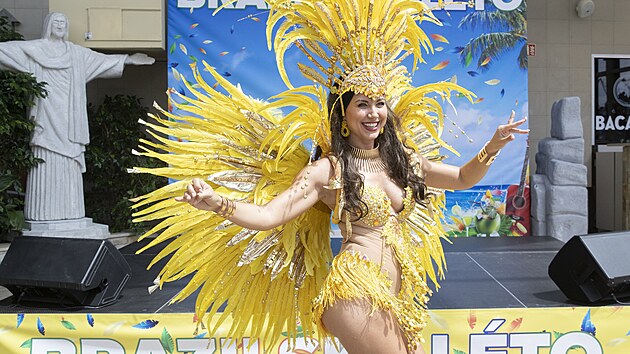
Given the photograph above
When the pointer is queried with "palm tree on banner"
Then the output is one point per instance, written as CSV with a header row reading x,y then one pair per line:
x,y
503,30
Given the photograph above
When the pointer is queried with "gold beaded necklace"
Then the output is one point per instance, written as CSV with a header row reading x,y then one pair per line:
x,y
366,160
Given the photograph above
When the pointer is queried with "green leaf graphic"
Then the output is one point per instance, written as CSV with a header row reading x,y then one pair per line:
x,y
68,325
457,351
468,58
26,344
167,341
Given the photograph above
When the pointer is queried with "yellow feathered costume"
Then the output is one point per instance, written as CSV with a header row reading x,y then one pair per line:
x,y
248,151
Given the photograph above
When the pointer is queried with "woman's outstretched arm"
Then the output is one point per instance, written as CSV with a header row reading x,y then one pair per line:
x,y
305,191
445,176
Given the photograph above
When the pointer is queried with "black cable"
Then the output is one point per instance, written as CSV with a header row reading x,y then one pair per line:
x,y
619,302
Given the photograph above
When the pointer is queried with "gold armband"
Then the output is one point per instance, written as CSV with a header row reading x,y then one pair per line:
x,y
483,154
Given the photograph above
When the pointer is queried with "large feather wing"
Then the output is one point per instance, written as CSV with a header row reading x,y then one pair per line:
x,y
249,152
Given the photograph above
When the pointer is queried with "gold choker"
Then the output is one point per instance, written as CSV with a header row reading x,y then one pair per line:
x,y
366,160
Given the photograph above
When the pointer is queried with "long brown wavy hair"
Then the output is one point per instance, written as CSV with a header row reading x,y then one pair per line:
x,y
392,151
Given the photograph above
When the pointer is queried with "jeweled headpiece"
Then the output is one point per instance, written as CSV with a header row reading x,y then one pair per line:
x,y
354,45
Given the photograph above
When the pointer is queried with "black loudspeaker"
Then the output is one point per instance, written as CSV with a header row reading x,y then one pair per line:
x,y
594,267
68,272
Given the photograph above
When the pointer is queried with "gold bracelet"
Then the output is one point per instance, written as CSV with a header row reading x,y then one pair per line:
x,y
227,208
231,208
222,206
483,154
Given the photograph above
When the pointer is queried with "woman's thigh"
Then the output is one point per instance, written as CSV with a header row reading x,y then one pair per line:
x,y
360,332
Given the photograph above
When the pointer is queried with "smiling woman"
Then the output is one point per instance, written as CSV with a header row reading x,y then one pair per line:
x,y
253,206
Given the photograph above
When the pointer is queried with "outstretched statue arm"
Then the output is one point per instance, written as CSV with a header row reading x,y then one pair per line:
x,y
139,59
99,65
13,57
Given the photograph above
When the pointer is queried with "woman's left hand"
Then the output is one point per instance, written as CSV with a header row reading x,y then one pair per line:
x,y
505,134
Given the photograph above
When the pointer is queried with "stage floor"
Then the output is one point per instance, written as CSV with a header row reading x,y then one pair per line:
x,y
493,272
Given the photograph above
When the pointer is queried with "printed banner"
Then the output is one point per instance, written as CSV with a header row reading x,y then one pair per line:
x,y
482,48
577,330
611,99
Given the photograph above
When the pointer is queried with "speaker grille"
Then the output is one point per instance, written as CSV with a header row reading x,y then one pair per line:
x,y
589,268
611,252
66,271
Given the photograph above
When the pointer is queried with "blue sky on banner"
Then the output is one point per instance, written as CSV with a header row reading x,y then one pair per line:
x,y
234,42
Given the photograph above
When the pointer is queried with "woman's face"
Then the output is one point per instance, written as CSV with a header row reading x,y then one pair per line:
x,y
365,118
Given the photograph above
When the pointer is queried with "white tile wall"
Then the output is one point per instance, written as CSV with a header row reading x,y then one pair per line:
x,y
557,9
562,66
31,21
7,4
580,56
558,79
539,61
557,32
604,10
601,32
580,31
557,55
536,10
579,78
31,4
621,10
30,13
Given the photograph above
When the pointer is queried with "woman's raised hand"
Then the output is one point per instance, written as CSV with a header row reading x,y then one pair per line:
x,y
505,133
200,195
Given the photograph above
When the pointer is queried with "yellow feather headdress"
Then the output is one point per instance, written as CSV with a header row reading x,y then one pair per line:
x,y
353,45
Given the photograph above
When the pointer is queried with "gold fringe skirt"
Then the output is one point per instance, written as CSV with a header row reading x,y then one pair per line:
x,y
353,276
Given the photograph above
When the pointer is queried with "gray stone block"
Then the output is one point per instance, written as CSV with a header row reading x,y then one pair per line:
x,y
570,150
562,173
566,200
541,163
563,227
539,228
537,193
566,122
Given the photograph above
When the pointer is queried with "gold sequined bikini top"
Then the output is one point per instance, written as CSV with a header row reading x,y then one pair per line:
x,y
380,206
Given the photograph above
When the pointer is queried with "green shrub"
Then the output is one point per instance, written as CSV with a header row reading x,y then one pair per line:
x,y
17,94
114,132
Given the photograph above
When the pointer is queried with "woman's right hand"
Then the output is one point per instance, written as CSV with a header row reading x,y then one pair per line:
x,y
200,195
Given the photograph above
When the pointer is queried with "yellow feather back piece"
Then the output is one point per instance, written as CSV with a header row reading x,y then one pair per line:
x,y
247,151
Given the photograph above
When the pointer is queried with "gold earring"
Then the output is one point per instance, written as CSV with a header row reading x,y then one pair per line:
x,y
382,129
345,132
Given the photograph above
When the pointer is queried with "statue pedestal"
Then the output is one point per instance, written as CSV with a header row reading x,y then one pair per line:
x,y
73,228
